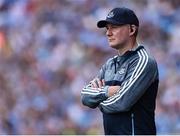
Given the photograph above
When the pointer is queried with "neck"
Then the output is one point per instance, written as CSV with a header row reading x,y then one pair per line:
x,y
127,47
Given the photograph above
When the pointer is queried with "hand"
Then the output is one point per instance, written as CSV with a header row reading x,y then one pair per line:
x,y
113,90
97,83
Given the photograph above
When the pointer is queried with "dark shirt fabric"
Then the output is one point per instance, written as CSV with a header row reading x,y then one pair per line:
x,y
131,109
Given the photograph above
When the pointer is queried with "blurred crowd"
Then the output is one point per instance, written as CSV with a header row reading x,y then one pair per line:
x,y
49,49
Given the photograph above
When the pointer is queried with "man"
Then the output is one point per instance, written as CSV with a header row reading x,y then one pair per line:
x,y
126,86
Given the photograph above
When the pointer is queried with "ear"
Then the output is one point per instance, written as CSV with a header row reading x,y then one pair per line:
x,y
132,30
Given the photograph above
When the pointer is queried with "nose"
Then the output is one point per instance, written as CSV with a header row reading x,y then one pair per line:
x,y
108,32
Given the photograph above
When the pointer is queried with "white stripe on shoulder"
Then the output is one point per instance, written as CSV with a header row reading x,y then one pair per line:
x,y
137,72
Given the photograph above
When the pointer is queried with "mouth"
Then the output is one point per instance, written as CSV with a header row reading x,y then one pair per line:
x,y
110,40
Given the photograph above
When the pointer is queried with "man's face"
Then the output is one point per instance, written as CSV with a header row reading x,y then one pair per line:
x,y
118,36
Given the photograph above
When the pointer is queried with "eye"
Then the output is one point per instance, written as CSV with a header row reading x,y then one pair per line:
x,y
106,27
111,26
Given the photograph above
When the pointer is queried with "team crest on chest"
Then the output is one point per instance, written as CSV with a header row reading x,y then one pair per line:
x,y
122,71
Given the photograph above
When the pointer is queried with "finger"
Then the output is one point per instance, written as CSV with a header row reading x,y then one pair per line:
x,y
94,84
103,82
99,82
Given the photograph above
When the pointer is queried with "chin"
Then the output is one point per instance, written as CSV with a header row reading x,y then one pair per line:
x,y
113,46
